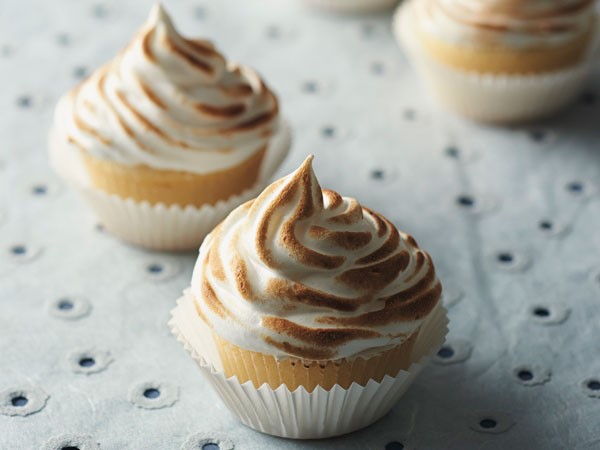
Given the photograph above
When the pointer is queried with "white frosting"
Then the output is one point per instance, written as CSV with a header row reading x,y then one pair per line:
x,y
301,254
169,103
513,23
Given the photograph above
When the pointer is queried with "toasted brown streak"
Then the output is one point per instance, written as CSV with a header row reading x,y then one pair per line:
x,y
539,21
217,111
312,353
203,47
192,60
151,95
149,125
381,223
419,262
72,140
321,337
376,276
411,241
299,293
241,279
89,130
213,259
262,248
211,300
353,214
259,120
335,199
236,90
413,304
349,240
389,246
304,210
146,48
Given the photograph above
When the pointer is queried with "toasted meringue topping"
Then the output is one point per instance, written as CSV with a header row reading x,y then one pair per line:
x,y
303,272
518,23
169,103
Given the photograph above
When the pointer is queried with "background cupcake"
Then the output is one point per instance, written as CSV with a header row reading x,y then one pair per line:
x,y
305,295
500,60
168,124
352,6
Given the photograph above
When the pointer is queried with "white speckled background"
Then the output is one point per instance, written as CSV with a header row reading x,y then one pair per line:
x,y
355,104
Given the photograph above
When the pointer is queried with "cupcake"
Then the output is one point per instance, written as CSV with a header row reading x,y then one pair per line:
x,y
351,6
308,312
501,60
168,137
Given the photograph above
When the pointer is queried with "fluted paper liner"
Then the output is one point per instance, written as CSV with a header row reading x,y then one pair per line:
x,y
299,414
495,98
159,226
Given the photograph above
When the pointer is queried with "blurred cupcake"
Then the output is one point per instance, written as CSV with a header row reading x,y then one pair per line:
x,y
308,312
501,60
352,6
168,137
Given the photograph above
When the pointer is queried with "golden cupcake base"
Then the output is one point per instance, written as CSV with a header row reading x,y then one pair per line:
x,y
143,183
293,373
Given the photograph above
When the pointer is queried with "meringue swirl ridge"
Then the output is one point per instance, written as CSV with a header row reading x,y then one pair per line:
x,y
516,23
304,272
170,103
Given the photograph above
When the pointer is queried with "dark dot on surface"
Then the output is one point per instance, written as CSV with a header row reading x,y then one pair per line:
x,y
273,32
589,98
19,401
310,87
152,393
446,352
394,445
452,152
575,186
537,135
377,68
541,312
545,225
504,257
410,114
24,101
593,385
65,305
70,447
99,11
487,423
80,72
525,375
63,39
154,268
368,29
377,174
5,50
39,189
465,200
211,446
99,227
18,250
328,131
87,362
200,12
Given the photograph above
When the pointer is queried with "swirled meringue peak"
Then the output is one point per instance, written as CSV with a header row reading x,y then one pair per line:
x,y
516,23
304,272
170,103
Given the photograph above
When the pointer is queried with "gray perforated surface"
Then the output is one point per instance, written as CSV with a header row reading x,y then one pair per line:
x,y
509,379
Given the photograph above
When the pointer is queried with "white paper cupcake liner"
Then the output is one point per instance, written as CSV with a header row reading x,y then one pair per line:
x,y
159,226
299,414
489,97
351,6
